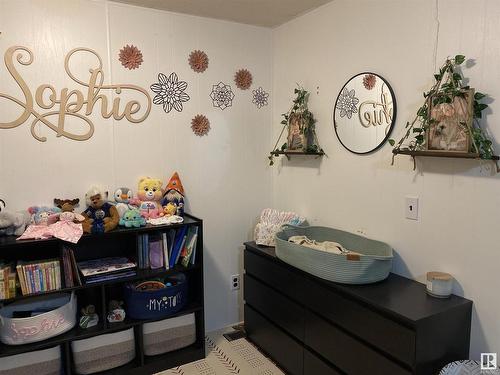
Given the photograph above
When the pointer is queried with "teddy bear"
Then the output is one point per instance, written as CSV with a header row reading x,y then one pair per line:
x,y
149,196
100,215
12,223
132,219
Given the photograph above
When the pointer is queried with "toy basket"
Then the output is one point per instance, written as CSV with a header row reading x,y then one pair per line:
x,y
103,352
41,362
157,303
374,262
58,316
169,334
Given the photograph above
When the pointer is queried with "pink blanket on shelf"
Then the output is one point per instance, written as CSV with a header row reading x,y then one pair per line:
x,y
64,230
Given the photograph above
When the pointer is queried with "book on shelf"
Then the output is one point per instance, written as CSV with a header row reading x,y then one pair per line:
x,y
7,276
168,248
39,276
104,269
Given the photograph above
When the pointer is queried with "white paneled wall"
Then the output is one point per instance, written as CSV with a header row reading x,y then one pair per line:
x,y
225,174
459,199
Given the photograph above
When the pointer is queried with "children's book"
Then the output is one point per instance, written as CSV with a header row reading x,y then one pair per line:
x,y
156,254
179,238
164,243
105,266
191,244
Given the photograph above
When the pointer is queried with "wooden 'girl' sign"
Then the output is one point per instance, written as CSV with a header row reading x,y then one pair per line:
x,y
73,103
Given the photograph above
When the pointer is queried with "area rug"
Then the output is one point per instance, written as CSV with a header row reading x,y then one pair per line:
x,y
228,357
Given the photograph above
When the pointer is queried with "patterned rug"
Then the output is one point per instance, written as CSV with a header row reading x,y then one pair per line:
x,y
228,357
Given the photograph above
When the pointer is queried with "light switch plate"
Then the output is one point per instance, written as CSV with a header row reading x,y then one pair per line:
x,y
412,208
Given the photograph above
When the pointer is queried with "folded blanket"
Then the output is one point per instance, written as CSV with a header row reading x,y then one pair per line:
x,y
327,246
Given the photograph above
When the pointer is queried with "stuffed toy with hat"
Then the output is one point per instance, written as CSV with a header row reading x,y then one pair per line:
x,y
100,215
149,196
174,195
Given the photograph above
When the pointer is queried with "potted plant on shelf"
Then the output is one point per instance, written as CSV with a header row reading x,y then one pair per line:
x,y
300,123
448,121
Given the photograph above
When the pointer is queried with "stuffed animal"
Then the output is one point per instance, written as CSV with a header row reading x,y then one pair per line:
x,y
66,205
174,194
42,215
149,194
123,197
12,223
170,209
132,219
100,215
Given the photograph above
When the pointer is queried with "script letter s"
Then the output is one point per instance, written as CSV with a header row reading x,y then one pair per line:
x,y
28,104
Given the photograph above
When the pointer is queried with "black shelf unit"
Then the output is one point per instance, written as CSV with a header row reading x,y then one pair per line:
x,y
120,242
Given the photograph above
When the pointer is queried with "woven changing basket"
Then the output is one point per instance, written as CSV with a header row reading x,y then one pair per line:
x,y
374,264
169,334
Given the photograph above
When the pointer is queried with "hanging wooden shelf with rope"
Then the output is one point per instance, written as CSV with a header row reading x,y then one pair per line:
x,y
300,122
447,124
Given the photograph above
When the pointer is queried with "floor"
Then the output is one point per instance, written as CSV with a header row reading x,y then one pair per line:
x,y
228,357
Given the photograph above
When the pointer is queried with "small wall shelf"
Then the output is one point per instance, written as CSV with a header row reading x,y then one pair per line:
x,y
443,154
288,154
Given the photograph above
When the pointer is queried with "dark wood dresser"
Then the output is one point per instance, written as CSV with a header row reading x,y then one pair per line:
x,y
310,326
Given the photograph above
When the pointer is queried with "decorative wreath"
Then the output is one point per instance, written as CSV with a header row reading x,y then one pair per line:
x,y
243,79
130,57
198,60
200,125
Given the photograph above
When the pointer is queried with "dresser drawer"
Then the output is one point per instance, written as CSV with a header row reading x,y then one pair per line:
x,y
272,273
347,353
274,342
315,366
383,333
277,308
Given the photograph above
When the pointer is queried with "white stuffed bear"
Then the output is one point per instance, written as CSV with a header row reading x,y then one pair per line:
x,y
12,223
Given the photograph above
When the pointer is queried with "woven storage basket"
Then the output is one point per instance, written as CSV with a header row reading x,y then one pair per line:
x,y
157,303
60,318
169,334
104,352
42,362
374,264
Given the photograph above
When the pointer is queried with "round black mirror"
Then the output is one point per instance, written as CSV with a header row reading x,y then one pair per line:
x,y
364,113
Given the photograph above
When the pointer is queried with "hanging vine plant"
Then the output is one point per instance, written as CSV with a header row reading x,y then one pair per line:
x,y
301,125
444,100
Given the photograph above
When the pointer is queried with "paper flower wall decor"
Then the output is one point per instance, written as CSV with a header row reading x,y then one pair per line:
x,y
170,92
130,57
243,79
222,95
260,97
198,60
369,81
200,125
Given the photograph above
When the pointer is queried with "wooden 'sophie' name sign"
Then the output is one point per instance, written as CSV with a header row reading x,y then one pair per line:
x,y
72,103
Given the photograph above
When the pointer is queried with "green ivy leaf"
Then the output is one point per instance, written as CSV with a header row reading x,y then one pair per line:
x,y
392,142
459,59
479,96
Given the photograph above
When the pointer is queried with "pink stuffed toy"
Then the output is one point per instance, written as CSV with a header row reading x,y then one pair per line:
x,y
149,195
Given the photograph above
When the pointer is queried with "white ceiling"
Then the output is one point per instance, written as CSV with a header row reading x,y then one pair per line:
x,y
269,13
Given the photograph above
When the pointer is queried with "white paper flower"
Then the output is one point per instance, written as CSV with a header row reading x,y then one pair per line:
x,y
260,97
347,103
170,92
222,95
